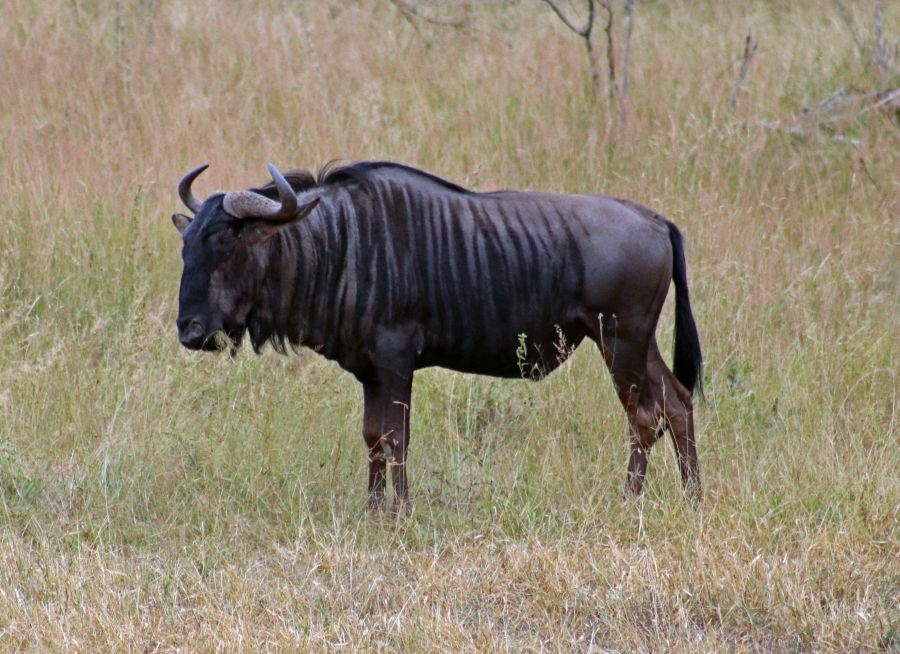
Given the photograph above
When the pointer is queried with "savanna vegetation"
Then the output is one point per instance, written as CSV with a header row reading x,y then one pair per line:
x,y
154,499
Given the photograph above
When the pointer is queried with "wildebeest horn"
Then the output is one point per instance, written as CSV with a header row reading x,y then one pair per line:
x,y
247,204
190,200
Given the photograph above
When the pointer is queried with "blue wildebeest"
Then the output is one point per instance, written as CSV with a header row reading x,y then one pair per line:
x,y
386,269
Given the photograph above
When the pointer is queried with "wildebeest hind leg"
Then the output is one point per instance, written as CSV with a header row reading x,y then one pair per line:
x,y
643,424
678,416
625,353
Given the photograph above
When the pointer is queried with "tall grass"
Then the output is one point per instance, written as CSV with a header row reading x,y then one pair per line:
x,y
156,499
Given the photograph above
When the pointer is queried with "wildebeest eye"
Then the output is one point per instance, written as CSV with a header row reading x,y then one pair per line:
x,y
224,237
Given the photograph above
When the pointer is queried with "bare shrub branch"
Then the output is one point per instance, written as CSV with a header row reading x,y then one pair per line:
x,y
882,59
851,26
878,60
585,33
628,21
610,49
410,11
749,51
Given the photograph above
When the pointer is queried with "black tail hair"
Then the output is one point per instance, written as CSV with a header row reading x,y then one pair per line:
x,y
687,358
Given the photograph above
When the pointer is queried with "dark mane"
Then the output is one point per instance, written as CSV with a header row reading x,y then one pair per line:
x,y
300,180
360,173
333,174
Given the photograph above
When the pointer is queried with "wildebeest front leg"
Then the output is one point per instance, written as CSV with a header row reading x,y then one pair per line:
x,y
372,420
386,432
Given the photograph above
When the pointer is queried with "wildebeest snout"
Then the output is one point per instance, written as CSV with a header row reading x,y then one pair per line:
x,y
192,333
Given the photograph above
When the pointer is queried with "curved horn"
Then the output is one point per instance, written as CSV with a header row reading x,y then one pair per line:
x,y
247,204
190,200
285,194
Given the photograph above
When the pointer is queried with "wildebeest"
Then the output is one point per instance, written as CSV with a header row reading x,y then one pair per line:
x,y
386,269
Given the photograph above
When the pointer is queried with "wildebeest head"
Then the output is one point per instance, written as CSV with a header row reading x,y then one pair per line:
x,y
224,258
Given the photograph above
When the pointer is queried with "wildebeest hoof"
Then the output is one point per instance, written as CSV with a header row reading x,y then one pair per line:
x,y
401,508
375,503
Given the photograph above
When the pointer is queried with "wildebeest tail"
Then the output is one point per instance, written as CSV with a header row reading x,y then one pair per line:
x,y
687,359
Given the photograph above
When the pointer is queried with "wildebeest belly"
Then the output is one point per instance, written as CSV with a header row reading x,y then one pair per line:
x,y
509,349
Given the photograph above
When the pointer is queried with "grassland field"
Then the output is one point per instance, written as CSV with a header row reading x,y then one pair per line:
x,y
154,499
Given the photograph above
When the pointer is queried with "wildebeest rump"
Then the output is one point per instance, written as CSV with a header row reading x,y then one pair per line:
x,y
386,269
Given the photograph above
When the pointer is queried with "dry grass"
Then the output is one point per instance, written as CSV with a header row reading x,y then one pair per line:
x,y
157,500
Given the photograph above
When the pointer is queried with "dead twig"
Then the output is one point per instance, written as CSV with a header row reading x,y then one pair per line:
x,y
610,50
585,33
410,11
749,51
798,132
628,20
851,26
878,56
844,105
882,60
839,108
890,98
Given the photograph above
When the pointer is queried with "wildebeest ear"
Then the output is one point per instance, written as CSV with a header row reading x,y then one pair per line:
x,y
257,230
181,221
